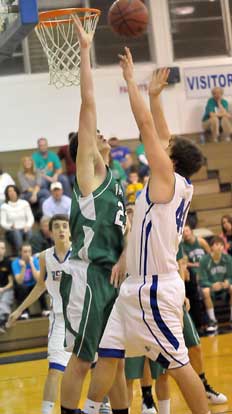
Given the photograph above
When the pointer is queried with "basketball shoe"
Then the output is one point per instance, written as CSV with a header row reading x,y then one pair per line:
x,y
213,396
148,410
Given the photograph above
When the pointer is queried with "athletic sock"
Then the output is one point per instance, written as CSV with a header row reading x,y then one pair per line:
x,y
91,407
211,314
47,407
164,406
203,378
147,396
121,411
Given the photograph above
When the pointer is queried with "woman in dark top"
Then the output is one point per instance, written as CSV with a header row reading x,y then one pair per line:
x,y
226,224
30,182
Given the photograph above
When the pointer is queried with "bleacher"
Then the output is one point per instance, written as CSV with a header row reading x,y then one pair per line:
x,y
212,199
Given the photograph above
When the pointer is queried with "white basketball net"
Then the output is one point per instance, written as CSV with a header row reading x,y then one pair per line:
x,y
61,46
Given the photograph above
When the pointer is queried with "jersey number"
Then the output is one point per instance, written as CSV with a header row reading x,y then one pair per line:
x,y
180,216
119,219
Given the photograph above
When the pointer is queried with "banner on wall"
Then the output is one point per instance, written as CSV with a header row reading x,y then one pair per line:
x,y
200,81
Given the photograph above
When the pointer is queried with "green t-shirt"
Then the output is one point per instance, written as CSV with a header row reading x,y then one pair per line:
x,y
180,253
48,164
117,171
97,223
140,150
210,107
211,272
194,252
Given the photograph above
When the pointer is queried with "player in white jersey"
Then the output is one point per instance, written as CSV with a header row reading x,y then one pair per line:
x,y
52,262
147,316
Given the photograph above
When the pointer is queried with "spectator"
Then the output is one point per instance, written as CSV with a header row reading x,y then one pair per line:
x,y
25,269
121,154
16,218
64,154
215,278
49,165
57,203
41,239
226,235
5,180
30,182
133,187
141,156
118,172
194,248
6,287
217,117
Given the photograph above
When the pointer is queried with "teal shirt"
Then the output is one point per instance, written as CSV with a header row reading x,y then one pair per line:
x,y
210,107
48,165
140,150
119,173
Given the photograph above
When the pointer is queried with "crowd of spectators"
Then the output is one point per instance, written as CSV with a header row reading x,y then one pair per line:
x,y
43,189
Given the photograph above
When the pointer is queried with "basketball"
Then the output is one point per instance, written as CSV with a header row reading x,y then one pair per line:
x,y
128,17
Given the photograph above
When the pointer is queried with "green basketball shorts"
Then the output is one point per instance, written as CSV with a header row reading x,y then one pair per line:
x,y
134,368
191,336
88,298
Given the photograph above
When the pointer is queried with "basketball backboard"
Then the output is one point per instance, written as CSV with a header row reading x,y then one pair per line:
x,y
17,19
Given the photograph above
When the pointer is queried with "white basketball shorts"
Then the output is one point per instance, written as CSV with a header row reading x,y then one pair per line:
x,y
58,358
147,319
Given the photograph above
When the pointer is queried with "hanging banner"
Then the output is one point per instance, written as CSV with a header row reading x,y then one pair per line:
x,y
200,81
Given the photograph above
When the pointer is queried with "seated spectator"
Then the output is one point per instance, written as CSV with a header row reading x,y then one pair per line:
x,y
30,182
215,278
57,203
134,187
49,165
5,180
194,248
16,218
25,270
217,117
41,239
121,154
118,172
143,163
64,154
6,287
226,235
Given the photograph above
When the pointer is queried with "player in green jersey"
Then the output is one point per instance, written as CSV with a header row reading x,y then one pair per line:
x,y
97,226
215,278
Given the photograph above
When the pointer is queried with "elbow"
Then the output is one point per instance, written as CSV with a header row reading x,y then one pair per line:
x,y
145,123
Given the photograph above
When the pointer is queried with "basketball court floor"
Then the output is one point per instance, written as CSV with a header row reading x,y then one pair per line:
x,y
21,383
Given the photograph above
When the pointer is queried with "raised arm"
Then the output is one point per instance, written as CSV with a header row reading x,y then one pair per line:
x,y
157,84
36,292
88,156
161,184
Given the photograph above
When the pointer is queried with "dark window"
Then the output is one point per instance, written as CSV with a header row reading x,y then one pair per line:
x,y
108,44
197,28
13,64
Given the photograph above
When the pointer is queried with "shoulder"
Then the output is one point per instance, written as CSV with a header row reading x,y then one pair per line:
x,y
66,199
23,203
205,259
52,155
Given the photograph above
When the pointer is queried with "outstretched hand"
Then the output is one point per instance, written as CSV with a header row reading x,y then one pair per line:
x,y
84,38
13,318
158,81
127,65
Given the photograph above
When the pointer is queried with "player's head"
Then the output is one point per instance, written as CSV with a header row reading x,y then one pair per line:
x,y
42,145
26,251
186,156
187,233
226,223
217,244
2,248
102,144
59,228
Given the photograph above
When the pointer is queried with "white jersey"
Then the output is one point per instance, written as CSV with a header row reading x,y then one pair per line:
x,y
54,272
157,230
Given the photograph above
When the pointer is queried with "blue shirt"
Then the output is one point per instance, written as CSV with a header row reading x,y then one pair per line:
x,y
28,277
120,153
51,206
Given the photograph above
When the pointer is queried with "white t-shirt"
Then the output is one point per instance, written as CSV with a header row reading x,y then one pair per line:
x,y
5,180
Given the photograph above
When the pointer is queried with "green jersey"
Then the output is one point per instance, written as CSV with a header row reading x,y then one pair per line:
x,y
194,251
211,272
97,223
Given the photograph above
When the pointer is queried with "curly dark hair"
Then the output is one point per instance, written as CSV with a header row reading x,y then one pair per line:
x,y
7,189
186,156
73,145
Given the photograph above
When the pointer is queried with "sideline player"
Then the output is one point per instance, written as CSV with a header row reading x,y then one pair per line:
x,y
147,316
97,223
52,262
